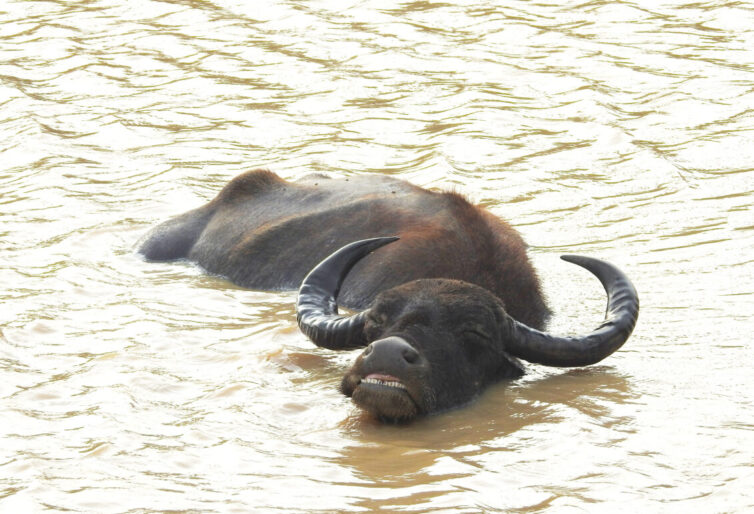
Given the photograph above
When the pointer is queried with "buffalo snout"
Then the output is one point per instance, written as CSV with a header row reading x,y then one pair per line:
x,y
391,353
388,379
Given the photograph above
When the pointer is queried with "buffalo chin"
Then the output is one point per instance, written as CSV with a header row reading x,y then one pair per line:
x,y
385,402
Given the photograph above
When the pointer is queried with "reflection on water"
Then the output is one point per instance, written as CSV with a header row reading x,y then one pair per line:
x,y
456,449
620,130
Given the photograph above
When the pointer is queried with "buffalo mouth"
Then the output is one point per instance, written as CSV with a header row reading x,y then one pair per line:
x,y
380,380
385,396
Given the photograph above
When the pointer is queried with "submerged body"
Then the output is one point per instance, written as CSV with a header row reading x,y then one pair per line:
x,y
265,233
449,302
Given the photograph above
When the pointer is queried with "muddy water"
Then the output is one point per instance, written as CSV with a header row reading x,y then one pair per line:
x,y
622,130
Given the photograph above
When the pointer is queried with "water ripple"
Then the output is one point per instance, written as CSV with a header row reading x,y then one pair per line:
x,y
618,129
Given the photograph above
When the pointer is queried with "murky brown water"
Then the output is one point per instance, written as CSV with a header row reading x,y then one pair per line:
x,y
623,130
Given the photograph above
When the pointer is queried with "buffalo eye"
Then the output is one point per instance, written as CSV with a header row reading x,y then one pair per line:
x,y
476,336
376,318
373,324
475,331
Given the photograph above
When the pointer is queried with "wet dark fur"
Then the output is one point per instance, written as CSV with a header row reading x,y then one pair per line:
x,y
265,233
457,332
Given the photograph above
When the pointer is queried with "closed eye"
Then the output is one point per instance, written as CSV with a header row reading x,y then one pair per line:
x,y
372,327
476,334
376,319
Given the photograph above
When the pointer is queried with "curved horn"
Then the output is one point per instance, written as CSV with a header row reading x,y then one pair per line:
x,y
620,319
316,308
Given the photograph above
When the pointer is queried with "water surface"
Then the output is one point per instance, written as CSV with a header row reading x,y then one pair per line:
x,y
621,130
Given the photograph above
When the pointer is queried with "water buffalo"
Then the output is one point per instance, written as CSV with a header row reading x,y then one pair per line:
x,y
447,305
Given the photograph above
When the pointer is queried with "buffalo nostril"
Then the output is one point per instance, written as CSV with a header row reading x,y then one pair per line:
x,y
391,353
410,355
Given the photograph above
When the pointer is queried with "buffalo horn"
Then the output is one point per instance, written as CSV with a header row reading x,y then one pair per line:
x,y
316,308
622,311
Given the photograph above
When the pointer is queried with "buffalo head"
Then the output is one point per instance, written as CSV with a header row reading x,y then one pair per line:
x,y
434,344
